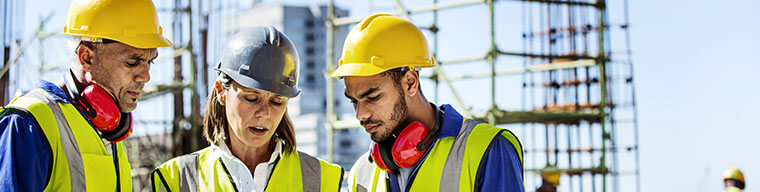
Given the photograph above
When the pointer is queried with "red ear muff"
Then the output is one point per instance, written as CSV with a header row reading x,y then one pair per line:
x,y
405,151
122,131
101,109
380,159
103,106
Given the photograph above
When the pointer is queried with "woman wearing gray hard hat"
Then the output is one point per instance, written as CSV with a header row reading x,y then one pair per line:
x,y
246,122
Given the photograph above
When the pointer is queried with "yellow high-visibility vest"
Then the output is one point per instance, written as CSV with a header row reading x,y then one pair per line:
x,y
441,170
79,159
204,171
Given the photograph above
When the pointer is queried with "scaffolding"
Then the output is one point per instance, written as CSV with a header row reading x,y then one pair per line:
x,y
576,95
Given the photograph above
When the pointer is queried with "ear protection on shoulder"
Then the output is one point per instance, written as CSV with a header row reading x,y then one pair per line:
x,y
101,109
406,149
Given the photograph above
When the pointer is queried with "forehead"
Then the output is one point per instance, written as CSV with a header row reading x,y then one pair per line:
x,y
357,84
126,50
245,89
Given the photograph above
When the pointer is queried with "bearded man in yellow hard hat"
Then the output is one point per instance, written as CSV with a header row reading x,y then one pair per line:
x,y
418,146
66,136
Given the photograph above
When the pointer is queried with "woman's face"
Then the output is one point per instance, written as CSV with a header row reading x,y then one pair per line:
x,y
252,114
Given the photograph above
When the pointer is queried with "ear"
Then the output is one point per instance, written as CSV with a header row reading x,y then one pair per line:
x,y
220,92
411,82
85,55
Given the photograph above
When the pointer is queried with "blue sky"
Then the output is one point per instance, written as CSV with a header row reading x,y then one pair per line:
x,y
696,65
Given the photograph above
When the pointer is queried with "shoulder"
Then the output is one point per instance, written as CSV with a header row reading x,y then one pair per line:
x,y
362,166
21,126
176,163
309,160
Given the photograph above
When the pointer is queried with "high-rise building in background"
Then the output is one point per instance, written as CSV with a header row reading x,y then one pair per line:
x,y
305,26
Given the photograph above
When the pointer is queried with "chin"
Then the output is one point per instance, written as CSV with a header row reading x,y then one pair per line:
x,y
127,109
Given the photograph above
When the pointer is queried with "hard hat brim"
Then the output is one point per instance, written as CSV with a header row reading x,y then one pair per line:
x,y
140,41
149,41
366,69
262,84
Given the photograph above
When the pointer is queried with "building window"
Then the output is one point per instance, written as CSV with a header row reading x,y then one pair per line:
x,y
310,78
310,51
309,23
309,37
345,143
310,64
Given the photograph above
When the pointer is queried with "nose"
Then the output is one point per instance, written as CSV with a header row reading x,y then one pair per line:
x,y
143,74
362,113
262,111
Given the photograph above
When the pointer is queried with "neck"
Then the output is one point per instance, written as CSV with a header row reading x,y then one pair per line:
x,y
423,112
251,156
78,78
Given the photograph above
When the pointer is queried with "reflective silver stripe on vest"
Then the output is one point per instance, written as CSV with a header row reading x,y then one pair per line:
x,y
311,173
453,166
188,169
68,142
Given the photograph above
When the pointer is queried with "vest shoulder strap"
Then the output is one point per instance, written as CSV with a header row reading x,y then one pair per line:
x,y
188,172
66,138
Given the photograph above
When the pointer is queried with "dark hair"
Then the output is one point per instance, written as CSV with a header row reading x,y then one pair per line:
x,y
216,127
396,75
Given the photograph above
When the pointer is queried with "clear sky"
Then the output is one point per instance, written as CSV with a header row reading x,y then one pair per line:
x,y
696,65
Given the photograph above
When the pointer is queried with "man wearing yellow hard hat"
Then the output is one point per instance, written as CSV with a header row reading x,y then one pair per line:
x,y
418,146
66,136
733,180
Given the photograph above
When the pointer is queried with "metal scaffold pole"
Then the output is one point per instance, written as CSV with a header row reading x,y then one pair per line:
x,y
329,67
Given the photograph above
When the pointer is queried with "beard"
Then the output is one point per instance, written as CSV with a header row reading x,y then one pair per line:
x,y
398,117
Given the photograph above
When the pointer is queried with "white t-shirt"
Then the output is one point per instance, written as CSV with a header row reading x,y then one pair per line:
x,y
240,173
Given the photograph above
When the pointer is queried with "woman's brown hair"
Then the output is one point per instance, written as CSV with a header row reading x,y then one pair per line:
x,y
216,128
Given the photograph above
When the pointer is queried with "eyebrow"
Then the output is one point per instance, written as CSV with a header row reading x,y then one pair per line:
x,y
138,58
364,94
257,92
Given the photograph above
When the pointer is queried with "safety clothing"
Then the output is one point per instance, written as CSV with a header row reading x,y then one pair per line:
x,y
102,109
133,22
454,162
204,170
733,173
79,159
382,42
262,57
733,189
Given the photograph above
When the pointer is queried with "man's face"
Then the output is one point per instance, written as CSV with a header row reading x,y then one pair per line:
x,y
379,104
123,71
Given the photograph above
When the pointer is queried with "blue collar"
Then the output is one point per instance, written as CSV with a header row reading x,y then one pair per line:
x,y
451,122
58,94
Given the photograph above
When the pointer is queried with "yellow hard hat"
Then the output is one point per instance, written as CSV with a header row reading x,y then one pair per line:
x,y
733,173
132,22
382,42
552,174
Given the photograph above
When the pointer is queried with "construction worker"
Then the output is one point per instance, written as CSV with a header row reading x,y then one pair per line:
x,y
253,146
417,146
733,180
65,136
550,176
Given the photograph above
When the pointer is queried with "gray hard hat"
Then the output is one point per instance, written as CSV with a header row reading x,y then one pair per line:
x,y
264,58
